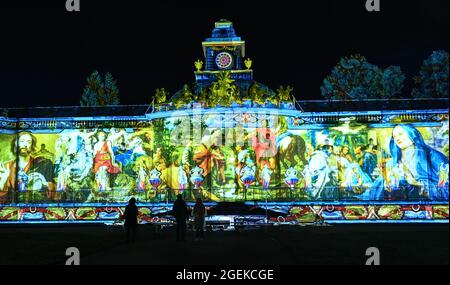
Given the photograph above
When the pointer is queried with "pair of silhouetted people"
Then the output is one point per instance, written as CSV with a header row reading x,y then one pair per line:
x,y
131,222
181,214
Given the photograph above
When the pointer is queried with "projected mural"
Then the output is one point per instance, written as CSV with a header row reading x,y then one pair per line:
x,y
248,159
227,138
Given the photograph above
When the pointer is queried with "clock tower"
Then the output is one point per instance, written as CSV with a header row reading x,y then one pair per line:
x,y
224,51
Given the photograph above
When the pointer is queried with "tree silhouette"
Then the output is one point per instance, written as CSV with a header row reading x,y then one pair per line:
x,y
432,81
356,79
97,93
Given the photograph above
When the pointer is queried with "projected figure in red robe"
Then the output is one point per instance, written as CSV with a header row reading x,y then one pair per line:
x,y
104,162
263,142
209,156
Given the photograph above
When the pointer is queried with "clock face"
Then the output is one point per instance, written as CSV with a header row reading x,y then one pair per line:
x,y
224,60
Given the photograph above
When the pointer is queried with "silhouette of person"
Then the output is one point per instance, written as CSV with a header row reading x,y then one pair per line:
x,y
131,222
199,218
180,212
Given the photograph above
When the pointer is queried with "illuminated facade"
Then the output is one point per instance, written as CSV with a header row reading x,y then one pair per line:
x,y
227,138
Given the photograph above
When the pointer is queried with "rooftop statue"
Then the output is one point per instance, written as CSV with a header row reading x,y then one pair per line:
x,y
284,94
198,65
224,90
248,63
257,94
187,94
160,96
184,97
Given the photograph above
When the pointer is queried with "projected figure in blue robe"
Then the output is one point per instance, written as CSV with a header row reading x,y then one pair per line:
x,y
416,169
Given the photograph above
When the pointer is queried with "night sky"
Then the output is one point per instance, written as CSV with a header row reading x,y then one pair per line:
x,y
46,53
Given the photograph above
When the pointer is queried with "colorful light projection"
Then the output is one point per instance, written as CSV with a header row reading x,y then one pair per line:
x,y
269,158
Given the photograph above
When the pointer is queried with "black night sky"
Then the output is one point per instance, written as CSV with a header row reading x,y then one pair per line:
x,y
46,53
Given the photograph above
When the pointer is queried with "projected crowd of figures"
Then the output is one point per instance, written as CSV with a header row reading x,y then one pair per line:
x,y
242,159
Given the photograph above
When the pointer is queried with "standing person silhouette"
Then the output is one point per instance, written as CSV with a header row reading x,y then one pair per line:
x,y
199,218
131,222
180,212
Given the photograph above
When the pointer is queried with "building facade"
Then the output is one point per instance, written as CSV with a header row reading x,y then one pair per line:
x,y
226,138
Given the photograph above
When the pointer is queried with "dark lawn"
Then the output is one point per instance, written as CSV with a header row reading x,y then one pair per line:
x,y
336,244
